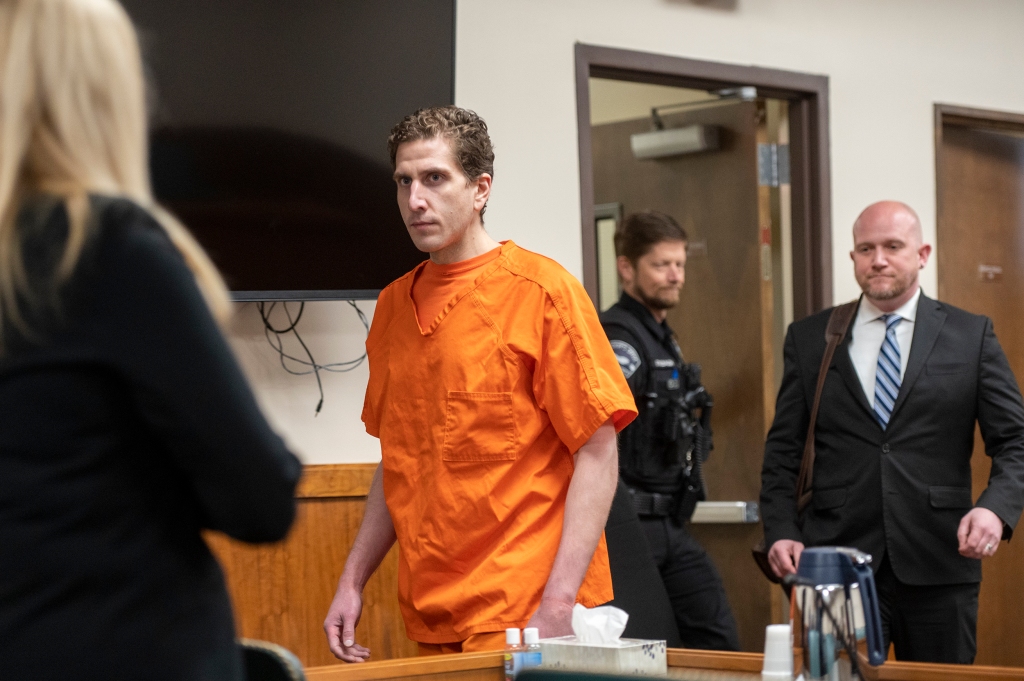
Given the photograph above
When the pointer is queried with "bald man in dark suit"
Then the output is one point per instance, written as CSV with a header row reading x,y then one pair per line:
x,y
894,437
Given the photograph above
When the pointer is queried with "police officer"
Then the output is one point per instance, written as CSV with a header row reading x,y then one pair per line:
x,y
661,451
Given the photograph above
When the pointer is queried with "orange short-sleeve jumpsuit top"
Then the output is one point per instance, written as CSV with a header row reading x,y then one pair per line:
x,y
478,418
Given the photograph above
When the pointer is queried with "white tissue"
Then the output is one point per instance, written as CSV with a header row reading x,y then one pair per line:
x,y
603,624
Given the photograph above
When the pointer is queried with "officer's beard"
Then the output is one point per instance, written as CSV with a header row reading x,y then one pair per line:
x,y
655,302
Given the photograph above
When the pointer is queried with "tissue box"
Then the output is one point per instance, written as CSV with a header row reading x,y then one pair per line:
x,y
625,656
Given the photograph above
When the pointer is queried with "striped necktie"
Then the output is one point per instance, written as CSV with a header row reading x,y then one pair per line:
x,y
887,376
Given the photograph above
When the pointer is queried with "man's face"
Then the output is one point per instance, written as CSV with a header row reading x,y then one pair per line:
x,y
658,275
439,203
887,253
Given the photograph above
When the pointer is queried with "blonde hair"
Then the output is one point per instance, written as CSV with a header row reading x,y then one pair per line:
x,y
73,122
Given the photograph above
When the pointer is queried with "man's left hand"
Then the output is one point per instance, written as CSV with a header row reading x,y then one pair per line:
x,y
553,618
979,533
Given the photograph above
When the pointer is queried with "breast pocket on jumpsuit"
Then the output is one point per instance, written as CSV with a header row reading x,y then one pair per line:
x,y
479,426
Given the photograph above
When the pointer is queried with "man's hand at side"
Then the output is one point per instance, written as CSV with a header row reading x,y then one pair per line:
x,y
784,556
586,511
341,622
553,618
979,533
376,536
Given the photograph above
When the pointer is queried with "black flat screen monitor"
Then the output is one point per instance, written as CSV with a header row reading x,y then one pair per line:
x,y
269,125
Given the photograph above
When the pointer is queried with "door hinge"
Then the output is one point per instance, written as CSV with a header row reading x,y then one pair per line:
x,y
772,164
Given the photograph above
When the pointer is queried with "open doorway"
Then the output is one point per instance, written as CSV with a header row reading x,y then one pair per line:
x,y
751,190
703,184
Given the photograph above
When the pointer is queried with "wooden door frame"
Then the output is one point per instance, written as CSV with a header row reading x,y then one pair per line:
x,y
809,151
986,119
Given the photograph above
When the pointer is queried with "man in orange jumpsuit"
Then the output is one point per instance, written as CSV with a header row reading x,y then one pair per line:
x,y
496,399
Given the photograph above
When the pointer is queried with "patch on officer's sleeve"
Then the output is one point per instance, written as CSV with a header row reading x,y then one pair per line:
x,y
629,358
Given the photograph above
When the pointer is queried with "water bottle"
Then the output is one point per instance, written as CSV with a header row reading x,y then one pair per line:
x,y
513,654
531,654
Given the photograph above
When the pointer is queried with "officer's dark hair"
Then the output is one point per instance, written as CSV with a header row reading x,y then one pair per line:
x,y
640,232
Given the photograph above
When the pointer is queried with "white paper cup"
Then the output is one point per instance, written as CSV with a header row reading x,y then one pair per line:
x,y
778,652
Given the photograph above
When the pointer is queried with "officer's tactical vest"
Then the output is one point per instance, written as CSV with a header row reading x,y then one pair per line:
x,y
655,451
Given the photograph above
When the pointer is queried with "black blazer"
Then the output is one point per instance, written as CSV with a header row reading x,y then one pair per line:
x,y
900,492
126,427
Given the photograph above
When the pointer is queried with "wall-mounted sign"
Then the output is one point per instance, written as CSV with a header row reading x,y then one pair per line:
x,y
990,273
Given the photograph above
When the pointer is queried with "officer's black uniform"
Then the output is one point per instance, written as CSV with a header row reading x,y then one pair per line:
x,y
652,463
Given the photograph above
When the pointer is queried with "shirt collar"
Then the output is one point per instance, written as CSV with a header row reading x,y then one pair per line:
x,y
869,312
660,330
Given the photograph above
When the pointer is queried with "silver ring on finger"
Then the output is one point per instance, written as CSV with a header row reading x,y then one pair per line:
x,y
988,547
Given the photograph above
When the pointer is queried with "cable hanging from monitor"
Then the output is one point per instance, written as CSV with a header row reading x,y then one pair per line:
x,y
274,337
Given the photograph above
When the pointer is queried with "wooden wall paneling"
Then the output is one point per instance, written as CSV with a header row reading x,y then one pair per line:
x,y
329,481
980,186
281,592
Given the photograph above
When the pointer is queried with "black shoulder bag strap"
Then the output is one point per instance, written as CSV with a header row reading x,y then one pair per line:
x,y
838,324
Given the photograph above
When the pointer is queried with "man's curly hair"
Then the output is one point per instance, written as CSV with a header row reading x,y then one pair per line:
x,y
466,131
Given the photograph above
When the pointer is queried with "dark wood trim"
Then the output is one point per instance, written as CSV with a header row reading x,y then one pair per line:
x,y
983,119
939,111
660,69
336,480
583,66
804,300
809,151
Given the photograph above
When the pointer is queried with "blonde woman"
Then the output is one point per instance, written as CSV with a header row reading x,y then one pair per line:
x,y
125,424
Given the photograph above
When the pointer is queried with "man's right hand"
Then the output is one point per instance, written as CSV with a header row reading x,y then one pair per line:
x,y
340,625
784,556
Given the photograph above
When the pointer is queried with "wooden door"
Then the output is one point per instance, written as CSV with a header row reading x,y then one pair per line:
x,y
724,319
980,254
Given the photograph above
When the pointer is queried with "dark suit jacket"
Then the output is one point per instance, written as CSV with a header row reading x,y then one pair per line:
x,y
900,492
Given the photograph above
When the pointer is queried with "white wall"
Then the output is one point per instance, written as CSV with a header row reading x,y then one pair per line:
x,y
888,62
333,333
